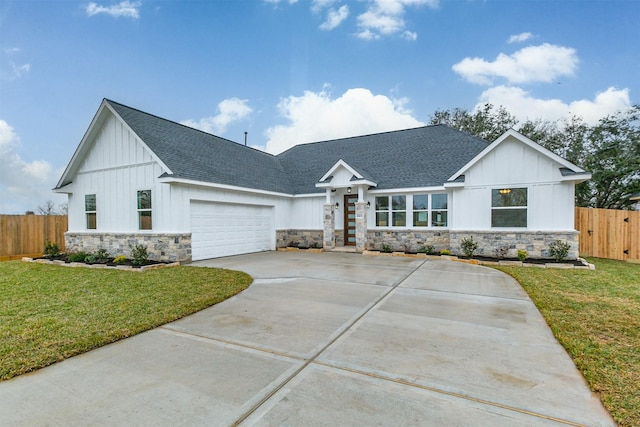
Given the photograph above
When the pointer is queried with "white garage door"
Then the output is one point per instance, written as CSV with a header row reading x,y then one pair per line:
x,y
221,229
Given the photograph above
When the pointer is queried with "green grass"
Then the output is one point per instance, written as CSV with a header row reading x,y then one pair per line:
x,y
596,316
49,313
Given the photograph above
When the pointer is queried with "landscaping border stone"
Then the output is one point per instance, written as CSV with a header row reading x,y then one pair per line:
x,y
103,266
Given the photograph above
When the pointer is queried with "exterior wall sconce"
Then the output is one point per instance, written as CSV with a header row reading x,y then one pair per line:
x,y
337,205
349,190
368,205
504,191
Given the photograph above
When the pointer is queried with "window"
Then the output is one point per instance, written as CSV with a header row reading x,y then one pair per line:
x,y
421,210
398,211
509,207
382,211
90,210
144,210
439,208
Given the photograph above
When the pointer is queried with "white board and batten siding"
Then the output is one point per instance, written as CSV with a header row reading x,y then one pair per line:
x,y
115,168
515,165
224,229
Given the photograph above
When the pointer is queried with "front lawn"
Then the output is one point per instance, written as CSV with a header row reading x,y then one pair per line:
x,y
596,316
49,313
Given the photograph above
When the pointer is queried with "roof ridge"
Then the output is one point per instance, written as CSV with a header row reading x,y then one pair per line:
x,y
188,127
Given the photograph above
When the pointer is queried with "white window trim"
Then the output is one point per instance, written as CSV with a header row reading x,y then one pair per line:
x,y
409,212
526,207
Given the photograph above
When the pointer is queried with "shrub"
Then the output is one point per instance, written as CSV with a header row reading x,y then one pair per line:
x,y
51,249
559,250
90,259
101,255
139,254
469,246
501,251
522,254
120,259
427,249
445,252
386,248
77,256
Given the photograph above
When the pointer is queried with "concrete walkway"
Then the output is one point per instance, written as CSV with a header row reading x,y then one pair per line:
x,y
327,339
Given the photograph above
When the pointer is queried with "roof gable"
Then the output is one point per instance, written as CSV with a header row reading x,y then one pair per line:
x,y
567,169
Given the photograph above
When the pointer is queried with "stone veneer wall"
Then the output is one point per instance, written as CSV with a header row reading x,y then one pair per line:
x,y
536,243
160,246
411,239
302,237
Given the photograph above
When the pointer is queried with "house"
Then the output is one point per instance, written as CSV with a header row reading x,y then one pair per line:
x,y
635,198
187,195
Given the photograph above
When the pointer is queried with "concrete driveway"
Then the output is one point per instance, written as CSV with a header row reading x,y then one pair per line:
x,y
327,339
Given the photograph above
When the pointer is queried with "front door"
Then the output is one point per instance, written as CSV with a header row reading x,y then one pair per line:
x,y
350,219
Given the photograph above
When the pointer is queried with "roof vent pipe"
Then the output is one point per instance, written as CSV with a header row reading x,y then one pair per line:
x,y
245,138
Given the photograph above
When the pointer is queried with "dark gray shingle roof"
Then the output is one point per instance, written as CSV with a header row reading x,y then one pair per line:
x,y
419,157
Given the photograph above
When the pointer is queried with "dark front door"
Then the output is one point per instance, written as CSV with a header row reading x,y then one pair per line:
x,y
350,219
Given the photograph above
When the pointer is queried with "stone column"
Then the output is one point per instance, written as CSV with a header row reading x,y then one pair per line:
x,y
329,226
361,226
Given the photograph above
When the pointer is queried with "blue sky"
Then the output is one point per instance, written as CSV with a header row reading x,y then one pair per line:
x,y
290,72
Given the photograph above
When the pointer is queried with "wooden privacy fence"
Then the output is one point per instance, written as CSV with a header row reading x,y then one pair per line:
x,y
23,235
609,233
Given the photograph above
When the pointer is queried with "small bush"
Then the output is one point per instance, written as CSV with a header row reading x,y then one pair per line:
x,y
51,249
522,254
445,252
386,248
427,249
316,245
139,254
90,259
559,250
77,256
501,251
101,255
469,246
120,259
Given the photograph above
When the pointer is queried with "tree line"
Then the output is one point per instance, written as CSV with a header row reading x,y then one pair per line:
x,y
609,149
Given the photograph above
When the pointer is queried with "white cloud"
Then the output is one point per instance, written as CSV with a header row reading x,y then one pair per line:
x,y
542,63
410,35
126,9
335,18
23,185
318,6
280,1
524,106
315,116
229,111
519,38
385,18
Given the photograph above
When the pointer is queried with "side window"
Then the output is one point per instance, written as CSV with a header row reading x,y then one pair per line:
x,y
420,210
90,211
382,211
439,210
144,210
509,207
398,211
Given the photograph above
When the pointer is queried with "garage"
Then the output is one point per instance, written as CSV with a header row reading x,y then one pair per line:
x,y
223,229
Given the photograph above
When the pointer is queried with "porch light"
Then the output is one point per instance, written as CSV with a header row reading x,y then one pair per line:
x,y
337,205
504,191
368,205
349,190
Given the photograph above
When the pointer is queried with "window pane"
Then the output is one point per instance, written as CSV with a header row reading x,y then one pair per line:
x,y
508,217
505,197
91,221
382,219
382,203
144,199
420,202
439,218
90,202
421,219
400,218
144,222
439,201
398,203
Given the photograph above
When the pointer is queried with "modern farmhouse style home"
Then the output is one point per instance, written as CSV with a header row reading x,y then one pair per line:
x,y
187,195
